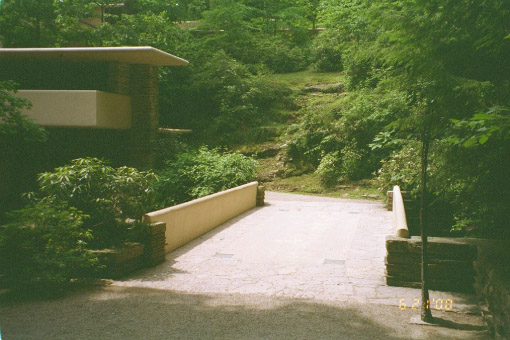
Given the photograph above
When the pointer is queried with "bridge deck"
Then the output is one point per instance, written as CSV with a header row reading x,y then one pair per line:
x,y
296,246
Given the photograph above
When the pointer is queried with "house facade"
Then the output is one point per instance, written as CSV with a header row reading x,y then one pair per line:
x,y
94,101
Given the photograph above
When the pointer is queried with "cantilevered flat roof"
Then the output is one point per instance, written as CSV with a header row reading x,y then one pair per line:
x,y
132,55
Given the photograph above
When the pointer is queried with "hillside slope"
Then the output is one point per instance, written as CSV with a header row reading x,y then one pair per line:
x,y
277,171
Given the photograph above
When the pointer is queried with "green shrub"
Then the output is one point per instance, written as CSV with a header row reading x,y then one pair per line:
x,y
362,69
402,168
349,124
280,57
107,195
229,96
354,166
45,247
326,53
328,169
19,138
200,173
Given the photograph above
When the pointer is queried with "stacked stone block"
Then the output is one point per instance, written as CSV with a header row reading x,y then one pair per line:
x,y
133,256
156,246
450,263
493,286
144,114
121,261
140,82
261,194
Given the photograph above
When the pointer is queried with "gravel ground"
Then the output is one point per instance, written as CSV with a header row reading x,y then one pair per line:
x,y
113,313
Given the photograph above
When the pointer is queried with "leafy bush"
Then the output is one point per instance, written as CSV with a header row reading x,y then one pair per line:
x,y
16,129
362,69
354,165
107,195
200,173
19,137
280,57
403,168
314,136
328,169
326,53
348,126
229,96
45,247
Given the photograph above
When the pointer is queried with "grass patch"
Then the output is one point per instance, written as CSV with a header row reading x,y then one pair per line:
x,y
299,80
309,184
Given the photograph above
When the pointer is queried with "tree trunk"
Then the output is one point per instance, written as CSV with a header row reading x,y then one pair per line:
x,y
426,315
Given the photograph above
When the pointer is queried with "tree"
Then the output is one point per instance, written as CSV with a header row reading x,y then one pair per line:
x,y
27,23
447,56
19,135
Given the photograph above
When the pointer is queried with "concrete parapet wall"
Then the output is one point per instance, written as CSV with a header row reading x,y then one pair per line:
x,y
399,214
450,263
187,221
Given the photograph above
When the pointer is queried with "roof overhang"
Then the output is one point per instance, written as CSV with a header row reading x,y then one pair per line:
x,y
131,55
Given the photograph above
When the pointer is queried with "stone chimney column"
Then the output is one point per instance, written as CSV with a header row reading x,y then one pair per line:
x,y
144,114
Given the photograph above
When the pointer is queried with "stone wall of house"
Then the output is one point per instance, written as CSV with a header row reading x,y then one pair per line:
x,y
450,263
144,115
140,82
493,286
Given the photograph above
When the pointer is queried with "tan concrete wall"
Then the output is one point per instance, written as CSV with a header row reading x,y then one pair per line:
x,y
78,108
113,110
399,214
187,221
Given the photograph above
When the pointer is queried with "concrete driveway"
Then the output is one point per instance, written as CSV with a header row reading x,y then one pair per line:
x,y
302,267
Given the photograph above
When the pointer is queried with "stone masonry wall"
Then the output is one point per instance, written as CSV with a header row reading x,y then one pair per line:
x,y
140,82
144,114
133,256
156,245
493,286
450,263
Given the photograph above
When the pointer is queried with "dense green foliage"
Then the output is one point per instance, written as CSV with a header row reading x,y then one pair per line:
x,y
195,174
16,130
226,100
45,247
18,136
90,205
414,70
446,60
107,195
78,207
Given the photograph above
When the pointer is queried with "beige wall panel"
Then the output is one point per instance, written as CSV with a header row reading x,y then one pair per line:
x,y
78,108
187,221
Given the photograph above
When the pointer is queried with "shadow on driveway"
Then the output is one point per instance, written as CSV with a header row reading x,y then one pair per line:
x,y
134,313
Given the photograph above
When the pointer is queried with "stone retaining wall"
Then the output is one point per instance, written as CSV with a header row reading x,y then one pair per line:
x,y
133,256
156,245
450,263
493,286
